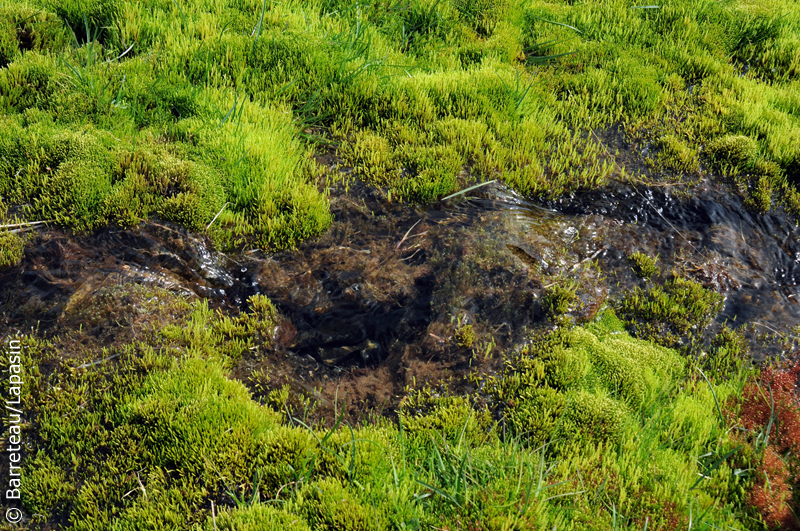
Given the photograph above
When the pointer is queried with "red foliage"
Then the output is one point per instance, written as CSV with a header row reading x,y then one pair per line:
x,y
771,494
755,410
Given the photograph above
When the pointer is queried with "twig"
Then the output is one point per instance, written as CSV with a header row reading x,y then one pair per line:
x,y
667,221
282,486
365,251
215,217
25,224
160,226
769,328
409,257
98,362
588,258
213,515
471,188
142,486
406,235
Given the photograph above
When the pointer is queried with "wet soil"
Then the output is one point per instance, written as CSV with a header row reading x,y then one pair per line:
x,y
374,305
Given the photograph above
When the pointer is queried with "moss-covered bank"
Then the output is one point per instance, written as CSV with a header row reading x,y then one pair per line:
x,y
586,428
114,111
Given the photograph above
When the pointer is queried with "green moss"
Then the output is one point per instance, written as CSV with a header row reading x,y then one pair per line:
x,y
27,82
560,298
150,439
594,417
327,505
644,266
565,368
759,197
11,248
664,314
538,415
47,489
728,354
287,455
257,517
352,455
154,179
11,243
620,373
194,417
371,156
427,414
25,28
732,152
95,17
545,386
423,100
676,155
481,15
464,336
169,503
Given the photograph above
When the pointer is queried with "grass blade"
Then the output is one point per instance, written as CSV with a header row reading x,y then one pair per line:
x,y
719,409
464,191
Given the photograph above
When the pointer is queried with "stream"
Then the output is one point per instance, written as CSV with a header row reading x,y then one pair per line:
x,y
372,306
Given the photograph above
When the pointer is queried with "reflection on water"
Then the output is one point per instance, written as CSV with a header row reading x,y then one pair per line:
x,y
753,259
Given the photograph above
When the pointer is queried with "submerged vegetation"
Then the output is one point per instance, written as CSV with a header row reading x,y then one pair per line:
x,y
644,266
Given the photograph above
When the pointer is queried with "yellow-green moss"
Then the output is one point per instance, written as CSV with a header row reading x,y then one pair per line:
x,y
643,265
450,417
257,517
664,314
149,440
327,505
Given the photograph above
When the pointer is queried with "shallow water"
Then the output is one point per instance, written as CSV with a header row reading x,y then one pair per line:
x,y
373,305
754,260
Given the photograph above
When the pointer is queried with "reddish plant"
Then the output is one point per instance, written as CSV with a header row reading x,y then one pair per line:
x,y
772,403
771,494
757,408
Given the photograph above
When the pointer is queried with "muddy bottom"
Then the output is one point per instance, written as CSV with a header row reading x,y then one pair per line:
x,y
392,296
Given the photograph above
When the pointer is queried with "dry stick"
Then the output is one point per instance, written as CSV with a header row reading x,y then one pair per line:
x,y
409,257
160,226
218,213
364,251
142,486
26,224
471,188
588,258
282,486
98,362
769,328
406,235
213,515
